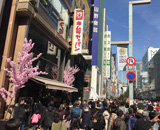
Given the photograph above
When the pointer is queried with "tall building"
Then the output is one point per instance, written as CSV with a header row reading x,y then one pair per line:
x,y
137,83
149,74
148,56
50,25
156,92
97,80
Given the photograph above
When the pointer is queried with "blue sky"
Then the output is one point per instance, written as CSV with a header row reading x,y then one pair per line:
x,y
146,25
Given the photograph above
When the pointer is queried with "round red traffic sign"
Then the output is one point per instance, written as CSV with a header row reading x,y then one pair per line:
x,y
131,60
131,76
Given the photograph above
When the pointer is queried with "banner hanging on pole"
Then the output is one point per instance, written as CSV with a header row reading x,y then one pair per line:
x,y
122,56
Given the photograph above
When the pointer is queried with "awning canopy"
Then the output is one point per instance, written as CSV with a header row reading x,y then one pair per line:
x,y
53,84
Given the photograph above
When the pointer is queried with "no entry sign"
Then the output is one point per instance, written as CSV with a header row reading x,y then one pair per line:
x,y
131,60
131,76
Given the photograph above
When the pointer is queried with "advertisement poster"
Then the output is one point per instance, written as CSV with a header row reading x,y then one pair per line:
x,y
122,56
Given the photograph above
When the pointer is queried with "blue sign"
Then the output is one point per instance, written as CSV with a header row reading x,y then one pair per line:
x,y
95,32
131,76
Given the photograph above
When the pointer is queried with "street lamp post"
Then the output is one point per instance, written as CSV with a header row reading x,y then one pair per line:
x,y
131,3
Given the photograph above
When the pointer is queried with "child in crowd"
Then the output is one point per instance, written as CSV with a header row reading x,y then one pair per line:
x,y
35,119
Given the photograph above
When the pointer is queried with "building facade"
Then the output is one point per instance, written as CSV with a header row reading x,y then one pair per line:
x,y
50,26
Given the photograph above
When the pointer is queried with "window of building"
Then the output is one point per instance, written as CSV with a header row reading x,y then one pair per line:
x,y
51,54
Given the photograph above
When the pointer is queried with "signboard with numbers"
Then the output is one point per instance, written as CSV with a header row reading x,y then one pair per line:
x,y
130,68
51,48
95,32
77,38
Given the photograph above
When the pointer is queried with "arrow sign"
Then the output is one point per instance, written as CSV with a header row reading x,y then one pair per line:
x,y
131,76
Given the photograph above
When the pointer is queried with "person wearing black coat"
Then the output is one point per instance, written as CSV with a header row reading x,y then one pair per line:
x,y
48,120
19,112
99,122
86,116
42,110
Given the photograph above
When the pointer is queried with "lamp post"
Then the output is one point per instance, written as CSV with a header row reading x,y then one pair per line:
x,y
131,3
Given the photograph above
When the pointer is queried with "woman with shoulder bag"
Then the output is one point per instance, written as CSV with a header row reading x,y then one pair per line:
x,y
58,123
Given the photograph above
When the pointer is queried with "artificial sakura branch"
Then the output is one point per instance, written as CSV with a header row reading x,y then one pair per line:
x,y
68,76
20,72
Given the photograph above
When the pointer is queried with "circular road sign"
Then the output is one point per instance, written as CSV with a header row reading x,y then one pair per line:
x,y
131,76
131,61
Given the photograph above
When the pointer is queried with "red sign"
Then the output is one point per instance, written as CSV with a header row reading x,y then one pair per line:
x,y
106,91
77,32
131,76
131,60
79,15
61,25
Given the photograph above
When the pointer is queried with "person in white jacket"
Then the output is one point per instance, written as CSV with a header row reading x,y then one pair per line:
x,y
106,116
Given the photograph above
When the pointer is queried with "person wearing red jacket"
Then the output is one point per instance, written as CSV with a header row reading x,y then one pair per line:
x,y
158,107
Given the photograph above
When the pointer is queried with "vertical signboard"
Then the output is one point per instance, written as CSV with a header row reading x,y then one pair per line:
x,y
86,6
77,38
108,53
122,56
95,32
62,25
105,55
51,48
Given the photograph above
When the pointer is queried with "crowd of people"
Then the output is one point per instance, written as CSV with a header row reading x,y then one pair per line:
x,y
106,114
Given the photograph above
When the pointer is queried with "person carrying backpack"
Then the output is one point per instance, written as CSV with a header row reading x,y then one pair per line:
x,y
35,119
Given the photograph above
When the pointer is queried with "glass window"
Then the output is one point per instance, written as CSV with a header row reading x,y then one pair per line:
x,y
50,58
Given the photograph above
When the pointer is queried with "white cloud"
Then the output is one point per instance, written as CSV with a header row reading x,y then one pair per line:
x,y
114,21
150,13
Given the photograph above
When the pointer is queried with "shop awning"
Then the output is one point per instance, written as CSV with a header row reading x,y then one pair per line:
x,y
56,85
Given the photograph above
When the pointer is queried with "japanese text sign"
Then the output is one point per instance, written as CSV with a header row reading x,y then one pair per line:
x,y
51,48
95,32
77,38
